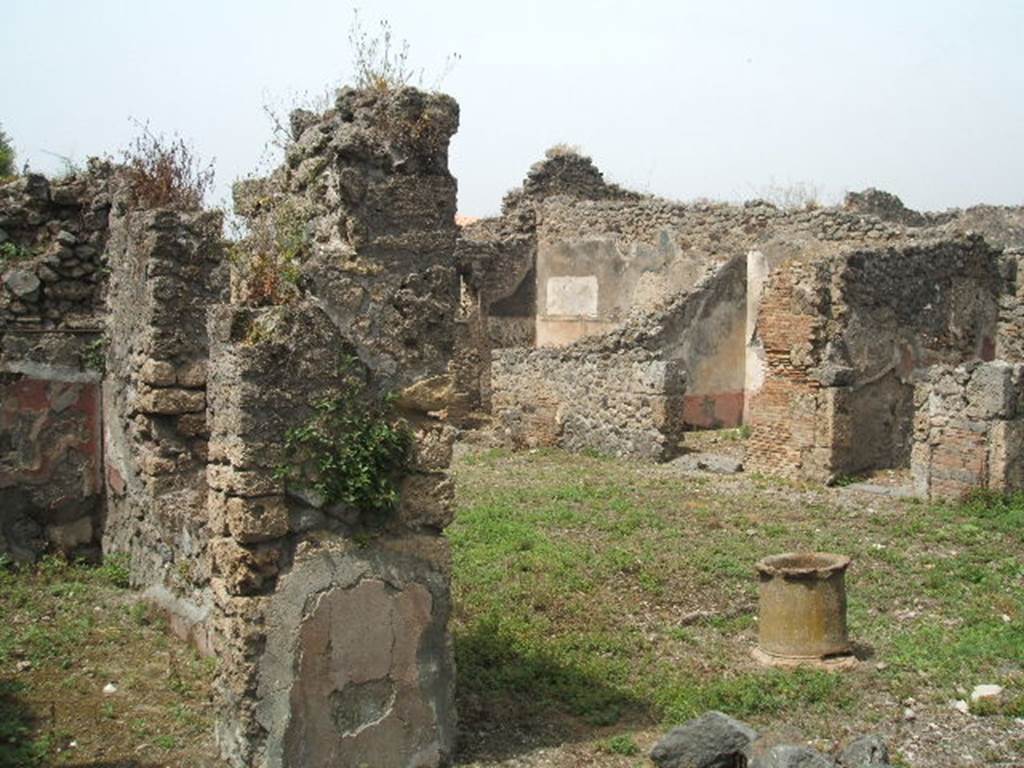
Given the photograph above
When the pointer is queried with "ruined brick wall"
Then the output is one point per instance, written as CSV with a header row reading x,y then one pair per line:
x,y
620,402
622,393
496,257
495,264
602,257
788,415
968,430
1001,225
166,269
52,235
567,173
841,338
332,618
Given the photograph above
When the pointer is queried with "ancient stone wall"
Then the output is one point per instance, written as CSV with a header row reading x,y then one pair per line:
x,y
619,402
596,257
497,306
1010,331
166,269
332,619
52,235
968,430
331,613
567,173
496,258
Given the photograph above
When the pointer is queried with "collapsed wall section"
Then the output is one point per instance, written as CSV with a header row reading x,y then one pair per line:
x,y
52,236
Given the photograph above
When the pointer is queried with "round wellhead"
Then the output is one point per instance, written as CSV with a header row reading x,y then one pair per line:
x,y
802,606
796,565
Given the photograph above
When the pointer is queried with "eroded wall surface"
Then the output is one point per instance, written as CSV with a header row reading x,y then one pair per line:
x,y
332,619
968,430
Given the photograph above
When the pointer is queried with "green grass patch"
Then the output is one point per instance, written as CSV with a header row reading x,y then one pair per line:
x,y
571,575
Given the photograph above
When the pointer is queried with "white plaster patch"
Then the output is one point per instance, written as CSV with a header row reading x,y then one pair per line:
x,y
572,296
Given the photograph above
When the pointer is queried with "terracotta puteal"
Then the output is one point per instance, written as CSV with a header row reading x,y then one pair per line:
x,y
802,606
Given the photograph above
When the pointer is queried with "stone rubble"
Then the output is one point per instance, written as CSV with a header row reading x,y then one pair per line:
x,y
715,740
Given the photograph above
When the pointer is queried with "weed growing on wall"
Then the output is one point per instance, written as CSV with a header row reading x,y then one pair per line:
x,y
352,451
381,62
162,172
270,256
11,252
68,167
93,356
791,197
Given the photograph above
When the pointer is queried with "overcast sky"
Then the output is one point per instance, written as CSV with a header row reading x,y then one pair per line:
x,y
682,98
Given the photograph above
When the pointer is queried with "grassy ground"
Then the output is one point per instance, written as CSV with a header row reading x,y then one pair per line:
x,y
68,631
610,598
597,601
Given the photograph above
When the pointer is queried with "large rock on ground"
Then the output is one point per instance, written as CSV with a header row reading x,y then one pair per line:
x,y
789,756
713,740
864,752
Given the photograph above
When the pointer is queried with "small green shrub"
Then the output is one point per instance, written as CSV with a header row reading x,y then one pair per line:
x,y
6,155
620,744
846,480
11,252
352,451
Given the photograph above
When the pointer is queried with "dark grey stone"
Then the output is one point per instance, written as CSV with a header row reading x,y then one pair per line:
x,y
789,756
22,283
864,752
713,740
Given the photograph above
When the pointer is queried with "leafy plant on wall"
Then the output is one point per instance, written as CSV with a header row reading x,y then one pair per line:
x,y
353,450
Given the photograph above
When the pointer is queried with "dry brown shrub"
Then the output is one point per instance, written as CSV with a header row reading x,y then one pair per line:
x,y
268,258
165,173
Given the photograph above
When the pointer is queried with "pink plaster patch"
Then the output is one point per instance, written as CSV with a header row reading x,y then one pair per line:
x,y
713,411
